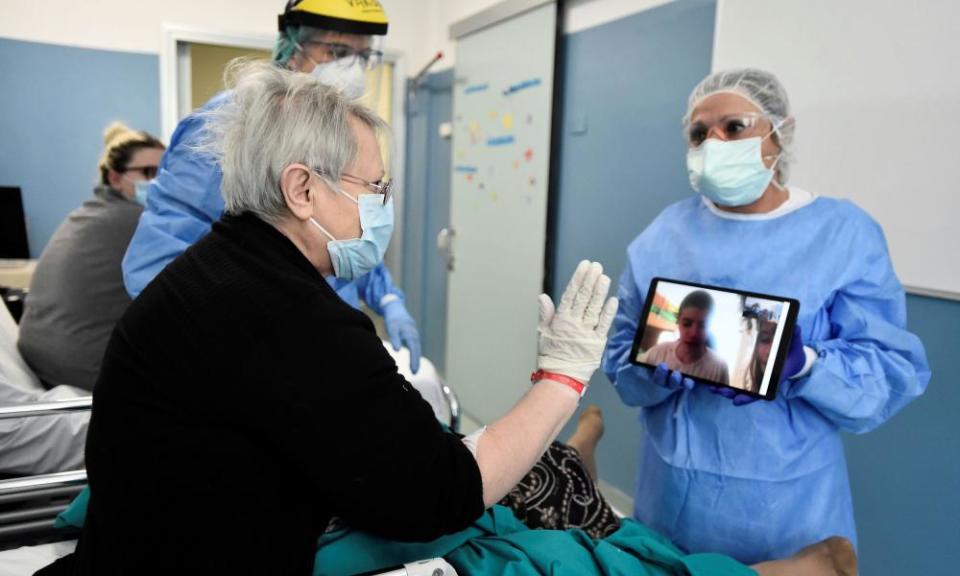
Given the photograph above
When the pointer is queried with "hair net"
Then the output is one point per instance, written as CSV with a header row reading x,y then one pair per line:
x,y
286,45
292,37
765,91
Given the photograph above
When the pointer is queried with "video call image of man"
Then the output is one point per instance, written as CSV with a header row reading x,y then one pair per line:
x,y
689,353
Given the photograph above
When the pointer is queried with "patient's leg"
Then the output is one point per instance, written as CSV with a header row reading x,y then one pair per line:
x,y
561,490
831,557
584,440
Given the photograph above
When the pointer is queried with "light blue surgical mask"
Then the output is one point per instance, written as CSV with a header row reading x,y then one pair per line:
x,y
355,257
140,190
731,172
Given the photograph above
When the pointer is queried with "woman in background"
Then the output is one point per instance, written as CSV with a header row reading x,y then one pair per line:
x,y
77,295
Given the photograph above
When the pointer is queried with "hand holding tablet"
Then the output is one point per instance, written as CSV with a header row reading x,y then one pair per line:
x,y
736,341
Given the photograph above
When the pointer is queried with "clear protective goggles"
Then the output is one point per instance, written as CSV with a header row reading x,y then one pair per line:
x,y
321,52
728,127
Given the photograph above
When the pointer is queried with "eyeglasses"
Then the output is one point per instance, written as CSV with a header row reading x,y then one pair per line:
x,y
731,127
149,172
379,187
342,54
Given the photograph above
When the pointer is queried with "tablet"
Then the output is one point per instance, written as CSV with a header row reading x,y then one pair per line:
x,y
717,336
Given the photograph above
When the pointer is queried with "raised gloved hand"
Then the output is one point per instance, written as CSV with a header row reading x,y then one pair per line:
x,y
796,359
572,336
402,329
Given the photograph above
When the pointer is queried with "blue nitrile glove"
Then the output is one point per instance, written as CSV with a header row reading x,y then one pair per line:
x,y
671,379
739,399
402,329
792,366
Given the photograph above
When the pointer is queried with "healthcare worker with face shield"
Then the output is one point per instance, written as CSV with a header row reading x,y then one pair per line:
x,y
333,40
717,471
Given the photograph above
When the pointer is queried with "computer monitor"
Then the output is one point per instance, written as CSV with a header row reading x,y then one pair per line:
x,y
13,224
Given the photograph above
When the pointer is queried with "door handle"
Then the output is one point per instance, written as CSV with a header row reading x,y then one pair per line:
x,y
445,246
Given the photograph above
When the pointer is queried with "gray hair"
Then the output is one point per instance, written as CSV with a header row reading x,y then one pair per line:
x,y
764,91
276,118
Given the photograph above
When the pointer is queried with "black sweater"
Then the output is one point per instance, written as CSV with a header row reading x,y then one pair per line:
x,y
240,405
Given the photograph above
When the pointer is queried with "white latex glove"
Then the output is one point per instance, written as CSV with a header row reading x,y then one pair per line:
x,y
572,337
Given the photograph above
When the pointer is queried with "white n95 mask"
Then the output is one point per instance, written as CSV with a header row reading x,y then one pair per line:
x,y
355,257
348,78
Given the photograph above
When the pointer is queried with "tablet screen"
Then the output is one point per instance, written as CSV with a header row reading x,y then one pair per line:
x,y
716,335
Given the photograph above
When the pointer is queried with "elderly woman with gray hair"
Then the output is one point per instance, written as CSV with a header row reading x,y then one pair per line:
x,y
242,462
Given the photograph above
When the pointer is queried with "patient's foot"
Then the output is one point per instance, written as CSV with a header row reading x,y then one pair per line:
x,y
835,553
587,435
831,557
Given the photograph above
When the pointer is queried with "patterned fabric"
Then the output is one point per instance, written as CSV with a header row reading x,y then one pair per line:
x,y
559,494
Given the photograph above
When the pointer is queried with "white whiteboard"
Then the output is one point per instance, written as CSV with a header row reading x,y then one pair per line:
x,y
875,89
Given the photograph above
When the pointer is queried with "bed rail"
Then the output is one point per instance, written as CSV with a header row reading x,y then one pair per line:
x,y
30,504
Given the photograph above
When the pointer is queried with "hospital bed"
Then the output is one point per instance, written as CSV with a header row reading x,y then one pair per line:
x,y
29,505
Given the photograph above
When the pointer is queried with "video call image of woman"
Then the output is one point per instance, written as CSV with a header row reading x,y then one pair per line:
x,y
711,335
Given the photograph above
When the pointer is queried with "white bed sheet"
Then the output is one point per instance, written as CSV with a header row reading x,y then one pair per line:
x,y
26,560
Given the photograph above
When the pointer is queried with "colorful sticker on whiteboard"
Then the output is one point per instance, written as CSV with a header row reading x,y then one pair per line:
x,y
514,88
528,154
507,121
501,140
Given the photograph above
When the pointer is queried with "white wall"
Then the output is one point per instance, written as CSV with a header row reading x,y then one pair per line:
x,y
874,92
129,25
418,28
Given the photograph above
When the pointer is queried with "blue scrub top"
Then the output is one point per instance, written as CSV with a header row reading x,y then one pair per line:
x,y
764,480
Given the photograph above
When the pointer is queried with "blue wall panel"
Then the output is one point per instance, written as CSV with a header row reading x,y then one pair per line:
x,y
426,196
55,102
905,475
622,161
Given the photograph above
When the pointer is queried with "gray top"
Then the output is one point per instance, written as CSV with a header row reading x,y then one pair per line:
x,y
77,294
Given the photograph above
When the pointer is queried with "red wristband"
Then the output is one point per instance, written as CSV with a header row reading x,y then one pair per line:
x,y
577,385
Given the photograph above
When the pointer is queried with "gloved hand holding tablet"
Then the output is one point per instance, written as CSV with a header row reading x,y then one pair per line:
x,y
735,341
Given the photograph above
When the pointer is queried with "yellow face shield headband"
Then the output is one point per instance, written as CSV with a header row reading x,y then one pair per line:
x,y
363,17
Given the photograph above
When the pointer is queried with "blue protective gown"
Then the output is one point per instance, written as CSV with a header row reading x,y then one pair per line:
x,y
762,481
183,203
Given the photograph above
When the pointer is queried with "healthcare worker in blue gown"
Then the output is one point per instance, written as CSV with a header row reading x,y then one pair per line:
x,y
719,472
319,37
